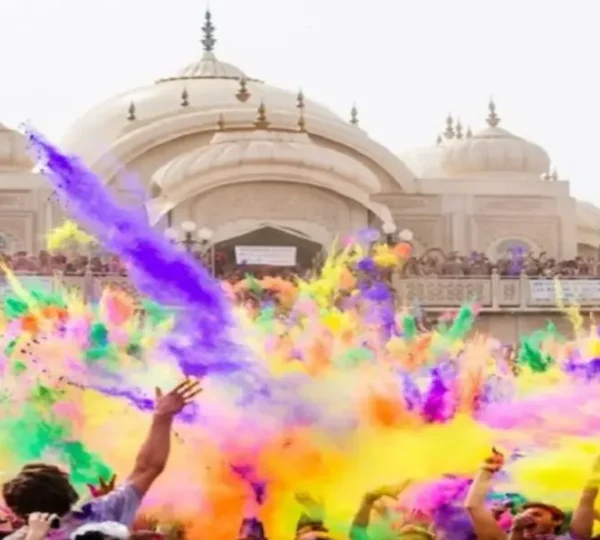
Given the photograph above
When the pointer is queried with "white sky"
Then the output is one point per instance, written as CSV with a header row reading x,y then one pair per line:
x,y
406,63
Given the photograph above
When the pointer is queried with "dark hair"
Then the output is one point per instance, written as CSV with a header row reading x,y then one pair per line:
x,y
92,535
39,488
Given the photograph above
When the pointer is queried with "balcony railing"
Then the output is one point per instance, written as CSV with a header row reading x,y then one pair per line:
x,y
499,293
491,293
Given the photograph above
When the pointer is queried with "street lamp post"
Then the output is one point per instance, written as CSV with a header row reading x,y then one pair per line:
x,y
389,229
189,237
405,235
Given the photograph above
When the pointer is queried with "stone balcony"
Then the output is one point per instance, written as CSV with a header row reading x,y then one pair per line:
x,y
492,293
499,293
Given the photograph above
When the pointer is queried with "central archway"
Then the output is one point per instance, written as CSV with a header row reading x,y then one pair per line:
x,y
300,251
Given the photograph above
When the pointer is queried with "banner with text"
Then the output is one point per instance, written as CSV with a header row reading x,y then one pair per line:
x,y
266,255
38,283
549,291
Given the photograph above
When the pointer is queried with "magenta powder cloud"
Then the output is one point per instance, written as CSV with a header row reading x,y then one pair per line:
x,y
202,342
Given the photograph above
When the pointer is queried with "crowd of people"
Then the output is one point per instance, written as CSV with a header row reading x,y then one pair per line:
x,y
432,263
43,504
435,262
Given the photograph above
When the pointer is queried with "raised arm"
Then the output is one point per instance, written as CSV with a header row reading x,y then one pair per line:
x,y
484,523
313,514
360,523
582,524
154,453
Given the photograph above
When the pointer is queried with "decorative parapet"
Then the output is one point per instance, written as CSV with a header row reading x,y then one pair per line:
x,y
499,293
491,293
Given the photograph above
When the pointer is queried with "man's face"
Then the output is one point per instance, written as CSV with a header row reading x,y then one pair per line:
x,y
544,522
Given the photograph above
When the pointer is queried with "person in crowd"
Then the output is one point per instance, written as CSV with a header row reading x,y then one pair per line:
x,y
45,489
537,520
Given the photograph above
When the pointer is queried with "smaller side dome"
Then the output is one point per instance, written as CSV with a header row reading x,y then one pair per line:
x,y
14,154
494,149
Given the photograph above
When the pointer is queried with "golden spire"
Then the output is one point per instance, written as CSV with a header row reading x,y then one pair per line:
x,y
439,140
185,98
300,99
221,122
458,129
493,119
469,133
131,114
301,121
261,118
242,93
449,133
354,115
208,33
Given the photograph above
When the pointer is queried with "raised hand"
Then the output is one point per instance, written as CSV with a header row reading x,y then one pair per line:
x,y
494,462
314,507
172,403
103,488
387,491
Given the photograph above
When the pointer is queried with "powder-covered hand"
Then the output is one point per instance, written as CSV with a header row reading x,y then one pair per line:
x,y
103,488
387,491
494,462
313,506
172,403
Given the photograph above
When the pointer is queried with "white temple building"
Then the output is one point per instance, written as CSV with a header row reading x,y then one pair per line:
x,y
217,147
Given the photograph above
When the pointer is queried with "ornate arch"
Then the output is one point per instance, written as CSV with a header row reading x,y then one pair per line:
x,y
302,229
141,139
293,175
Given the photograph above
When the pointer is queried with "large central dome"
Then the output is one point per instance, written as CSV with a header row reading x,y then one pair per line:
x,y
206,85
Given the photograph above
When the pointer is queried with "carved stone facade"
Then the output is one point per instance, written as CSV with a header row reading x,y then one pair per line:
x,y
26,213
275,203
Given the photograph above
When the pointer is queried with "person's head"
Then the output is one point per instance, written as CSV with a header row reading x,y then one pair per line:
x,y
548,519
39,488
251,529
415,532
106,530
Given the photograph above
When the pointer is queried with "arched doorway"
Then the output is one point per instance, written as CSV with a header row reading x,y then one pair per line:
x,y
267,247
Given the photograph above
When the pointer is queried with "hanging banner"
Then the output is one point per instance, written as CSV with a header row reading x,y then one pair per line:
x,y
266,255
548,291
28,282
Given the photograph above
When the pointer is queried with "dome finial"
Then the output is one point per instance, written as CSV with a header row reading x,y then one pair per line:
x,y
221,122
301,121
354,115
493,119
458,129
242,93
469,133
208,32
185,98
300,99
439,140
131,114
261,118
449,133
